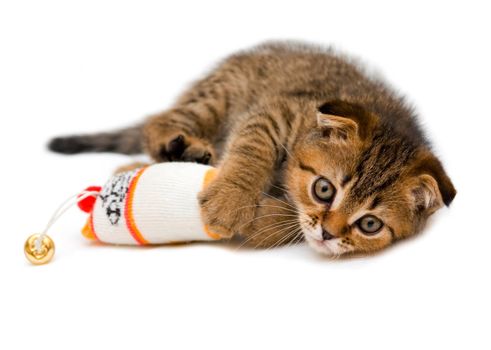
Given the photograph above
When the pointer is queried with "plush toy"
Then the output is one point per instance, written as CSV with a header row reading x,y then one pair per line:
x,y
156,204
152,205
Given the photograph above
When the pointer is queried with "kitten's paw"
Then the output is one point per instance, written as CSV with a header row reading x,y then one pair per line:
x,y
186,148
226,207
177,146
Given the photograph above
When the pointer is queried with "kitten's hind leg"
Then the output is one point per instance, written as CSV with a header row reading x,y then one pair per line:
x,y
187,131
275,224
168,139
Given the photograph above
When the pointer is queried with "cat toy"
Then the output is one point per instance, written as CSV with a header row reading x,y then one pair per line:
x,y
156,204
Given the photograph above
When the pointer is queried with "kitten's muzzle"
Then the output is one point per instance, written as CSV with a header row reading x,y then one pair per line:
x,y
326,236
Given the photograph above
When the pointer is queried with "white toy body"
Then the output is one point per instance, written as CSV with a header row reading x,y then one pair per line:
x,y
157,204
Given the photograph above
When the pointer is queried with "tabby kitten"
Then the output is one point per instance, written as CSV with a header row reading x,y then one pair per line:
x,y
309,147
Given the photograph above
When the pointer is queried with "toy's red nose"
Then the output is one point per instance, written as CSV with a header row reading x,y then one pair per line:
x,y
87,204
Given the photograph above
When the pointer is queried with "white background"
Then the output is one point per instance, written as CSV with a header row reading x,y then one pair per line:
x,y
68,67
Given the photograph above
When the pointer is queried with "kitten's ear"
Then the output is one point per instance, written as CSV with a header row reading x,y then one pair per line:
x,y
433,186
345,120
426,194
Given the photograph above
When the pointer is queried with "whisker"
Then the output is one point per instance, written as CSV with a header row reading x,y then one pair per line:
x,y
273,226
300,238
282,240
265,216
279,200
276,232
279,187
296,239
287,236
282,227
268,205
267,228
287,151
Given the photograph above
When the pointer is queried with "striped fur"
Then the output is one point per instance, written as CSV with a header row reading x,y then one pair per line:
x,y
278,116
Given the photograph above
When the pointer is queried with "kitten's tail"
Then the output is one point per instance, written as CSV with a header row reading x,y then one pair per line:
x,y
126,141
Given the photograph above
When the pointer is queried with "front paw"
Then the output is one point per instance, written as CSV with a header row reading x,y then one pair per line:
x,y
226,207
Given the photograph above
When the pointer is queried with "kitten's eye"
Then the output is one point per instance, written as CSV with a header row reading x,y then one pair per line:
x,y
370,225
323,190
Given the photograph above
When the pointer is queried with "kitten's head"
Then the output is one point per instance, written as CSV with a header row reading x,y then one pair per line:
x,y
359,184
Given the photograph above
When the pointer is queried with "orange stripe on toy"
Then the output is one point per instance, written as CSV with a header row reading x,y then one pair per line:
x,y
210,233
128,211
209,177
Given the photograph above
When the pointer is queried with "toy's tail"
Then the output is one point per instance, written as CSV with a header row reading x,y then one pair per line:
x,y
126,141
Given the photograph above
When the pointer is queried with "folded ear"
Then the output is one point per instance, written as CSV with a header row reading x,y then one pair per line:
x,y
344,120
426,194
433,186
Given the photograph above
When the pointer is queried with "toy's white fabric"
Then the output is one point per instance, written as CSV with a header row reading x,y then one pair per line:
x,y
153,205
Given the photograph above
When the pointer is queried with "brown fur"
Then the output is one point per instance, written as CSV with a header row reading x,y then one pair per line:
x,y
278,116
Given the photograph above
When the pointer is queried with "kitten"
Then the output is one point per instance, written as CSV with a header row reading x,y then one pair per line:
x,y
310,147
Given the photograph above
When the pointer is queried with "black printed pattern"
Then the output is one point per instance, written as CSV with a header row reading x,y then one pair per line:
x,y
113,195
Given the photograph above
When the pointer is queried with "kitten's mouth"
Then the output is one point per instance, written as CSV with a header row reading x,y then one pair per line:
x,y
313,236
319,245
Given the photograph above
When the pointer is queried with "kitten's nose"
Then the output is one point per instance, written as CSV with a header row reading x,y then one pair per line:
x,y
326,235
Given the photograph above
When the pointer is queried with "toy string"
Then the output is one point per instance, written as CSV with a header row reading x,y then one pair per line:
x,y
67,204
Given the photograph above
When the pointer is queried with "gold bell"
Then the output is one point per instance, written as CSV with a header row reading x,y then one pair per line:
x,y
39,253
